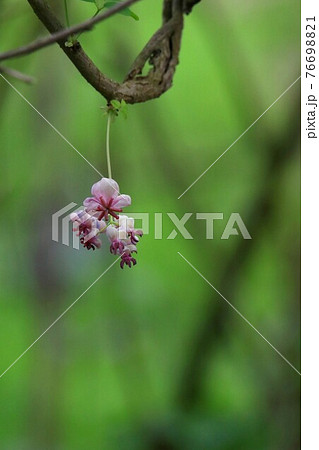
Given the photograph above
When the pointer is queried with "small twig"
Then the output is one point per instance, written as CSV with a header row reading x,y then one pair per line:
x,y
17,75
65,33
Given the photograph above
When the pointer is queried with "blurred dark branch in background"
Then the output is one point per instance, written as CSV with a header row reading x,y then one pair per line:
x,y
213,329
161,51
17,75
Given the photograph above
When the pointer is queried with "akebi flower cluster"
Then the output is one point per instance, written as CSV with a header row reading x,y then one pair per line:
x,y
100,215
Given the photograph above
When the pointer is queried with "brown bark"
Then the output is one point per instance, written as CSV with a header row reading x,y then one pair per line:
x,y
161,52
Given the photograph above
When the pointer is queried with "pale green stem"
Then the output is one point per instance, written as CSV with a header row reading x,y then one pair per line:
x,y
108,158
94,15
66,13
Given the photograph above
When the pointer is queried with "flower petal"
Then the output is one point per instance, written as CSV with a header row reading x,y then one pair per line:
x,y
105,188
112,233
100,224
130,248
122,233
80,216
97,242
91,204
125,222
74,217
121,201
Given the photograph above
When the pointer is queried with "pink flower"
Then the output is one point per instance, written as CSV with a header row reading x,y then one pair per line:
x,y
106,199
121,244
117,245
127,259
88,227
127,225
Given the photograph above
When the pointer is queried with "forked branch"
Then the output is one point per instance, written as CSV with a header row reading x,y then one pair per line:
x,y
161,51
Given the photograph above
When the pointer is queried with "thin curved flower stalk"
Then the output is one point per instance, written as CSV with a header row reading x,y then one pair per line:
x,y
100,213
100,216
107,143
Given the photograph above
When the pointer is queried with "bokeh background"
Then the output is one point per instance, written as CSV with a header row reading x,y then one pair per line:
x,y
152,357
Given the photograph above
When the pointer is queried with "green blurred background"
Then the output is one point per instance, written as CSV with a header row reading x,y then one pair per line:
x,y
153,357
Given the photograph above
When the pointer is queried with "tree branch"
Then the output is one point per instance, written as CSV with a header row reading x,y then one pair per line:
x,y
161,52
189,5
